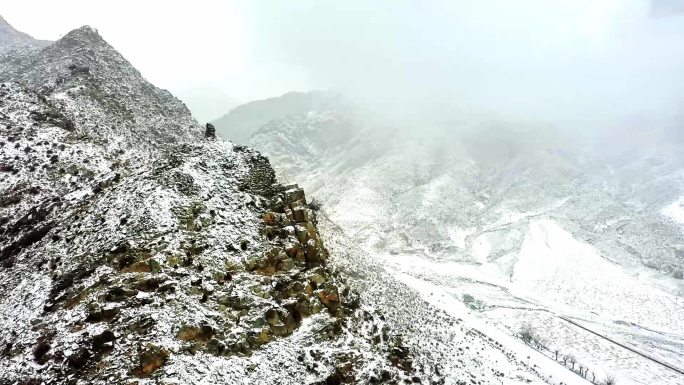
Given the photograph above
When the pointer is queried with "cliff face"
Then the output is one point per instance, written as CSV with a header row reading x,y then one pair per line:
x,y
132,251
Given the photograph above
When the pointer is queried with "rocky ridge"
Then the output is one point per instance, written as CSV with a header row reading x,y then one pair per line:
x,y
102,92
134,252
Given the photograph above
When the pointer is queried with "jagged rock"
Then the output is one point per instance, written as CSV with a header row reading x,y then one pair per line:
x,y
235,301
330,297
210,131
103,341
286,264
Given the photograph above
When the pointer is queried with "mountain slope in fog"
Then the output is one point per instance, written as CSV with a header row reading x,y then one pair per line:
x,y
10,37
477,177
135,249
467,205
240,123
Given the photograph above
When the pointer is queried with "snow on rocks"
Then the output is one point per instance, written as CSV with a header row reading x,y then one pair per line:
x,y
134,251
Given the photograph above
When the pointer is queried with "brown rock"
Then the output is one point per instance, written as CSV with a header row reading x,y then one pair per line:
x,y
188,333
285,265
270,218
329,297
152,358
268,270
138,267
300,214
263,335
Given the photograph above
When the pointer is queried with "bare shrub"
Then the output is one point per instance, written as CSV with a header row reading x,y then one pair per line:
x,y
315,204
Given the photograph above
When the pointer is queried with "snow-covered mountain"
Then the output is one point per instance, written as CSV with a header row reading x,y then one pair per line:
x,y
527,223
240,123
134,249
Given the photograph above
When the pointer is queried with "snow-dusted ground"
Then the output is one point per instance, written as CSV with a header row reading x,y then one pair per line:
x,y
555,275
675,211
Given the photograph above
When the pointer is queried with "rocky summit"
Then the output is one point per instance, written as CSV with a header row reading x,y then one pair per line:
x,y
135,251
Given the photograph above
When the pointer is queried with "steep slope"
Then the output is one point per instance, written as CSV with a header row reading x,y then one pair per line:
x,y
102,93
133,251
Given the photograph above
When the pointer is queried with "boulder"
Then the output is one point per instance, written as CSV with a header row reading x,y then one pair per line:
x,y
152,358
286,264
329,297
210,131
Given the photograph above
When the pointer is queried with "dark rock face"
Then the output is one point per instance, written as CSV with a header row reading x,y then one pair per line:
x,y
210,131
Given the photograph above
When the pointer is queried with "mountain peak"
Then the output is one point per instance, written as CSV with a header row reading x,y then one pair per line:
x,y
116,99
85,32
85,37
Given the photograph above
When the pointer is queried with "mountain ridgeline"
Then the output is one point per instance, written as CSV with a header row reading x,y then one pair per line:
x,y
134,250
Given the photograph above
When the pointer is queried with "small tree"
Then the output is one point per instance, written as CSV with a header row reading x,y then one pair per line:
x,y
610,380
541,342
527,333
572,360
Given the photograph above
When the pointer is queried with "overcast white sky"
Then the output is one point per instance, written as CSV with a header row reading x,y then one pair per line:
x,y
560,59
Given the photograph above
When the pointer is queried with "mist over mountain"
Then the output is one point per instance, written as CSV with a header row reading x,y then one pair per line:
x,y
244,120
452,193
519,216
10,37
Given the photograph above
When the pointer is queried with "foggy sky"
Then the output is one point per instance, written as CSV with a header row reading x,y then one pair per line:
x,y
583,62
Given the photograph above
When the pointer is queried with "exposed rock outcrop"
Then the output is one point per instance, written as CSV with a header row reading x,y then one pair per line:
x,y
133,253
